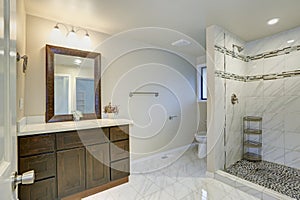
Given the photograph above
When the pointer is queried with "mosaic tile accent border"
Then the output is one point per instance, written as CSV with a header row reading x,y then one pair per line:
x,y
231,76
231,53
268,54
280,178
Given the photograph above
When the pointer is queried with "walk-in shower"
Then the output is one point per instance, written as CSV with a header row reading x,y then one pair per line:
x,y
264,75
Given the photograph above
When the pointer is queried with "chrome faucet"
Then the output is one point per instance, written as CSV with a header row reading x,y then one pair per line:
x,y
76,115
234,99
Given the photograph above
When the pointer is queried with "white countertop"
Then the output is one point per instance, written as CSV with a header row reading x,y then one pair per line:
x,y
40,128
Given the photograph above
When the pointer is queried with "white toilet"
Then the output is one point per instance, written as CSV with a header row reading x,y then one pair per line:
x,y
201,140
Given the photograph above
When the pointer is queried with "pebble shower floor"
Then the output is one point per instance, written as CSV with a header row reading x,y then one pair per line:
x,y
280,178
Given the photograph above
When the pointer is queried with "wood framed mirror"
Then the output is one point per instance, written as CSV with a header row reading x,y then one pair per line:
x,y
73,83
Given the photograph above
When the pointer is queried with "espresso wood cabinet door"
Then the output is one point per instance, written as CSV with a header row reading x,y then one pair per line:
x,y
71,171
97,165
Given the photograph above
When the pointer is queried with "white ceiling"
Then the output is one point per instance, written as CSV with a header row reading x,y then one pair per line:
x,y
245,18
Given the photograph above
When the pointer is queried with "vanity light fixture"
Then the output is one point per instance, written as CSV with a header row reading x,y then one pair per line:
x,y
273,21
71,34
290,41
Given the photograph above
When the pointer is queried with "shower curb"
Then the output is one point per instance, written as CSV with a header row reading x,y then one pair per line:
x,y
249,187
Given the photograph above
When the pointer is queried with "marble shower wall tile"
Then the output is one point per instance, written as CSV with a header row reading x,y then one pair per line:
x,y
273,88
292,104
277,41
234,148
235,87
291,86
234,122
219,121
274,65
292,159
274,138
274,104
254,105
273,121
273,154
294,34
254,89
234,65
219,61
255,67
219,147
291,122
292,61
219,36
291,141
259,46
231,39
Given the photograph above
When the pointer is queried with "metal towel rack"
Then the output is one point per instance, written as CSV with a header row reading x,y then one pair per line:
x,y
141,93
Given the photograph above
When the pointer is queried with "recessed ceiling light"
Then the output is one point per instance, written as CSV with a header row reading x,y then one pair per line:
x,y
273,21
181,43
77,61
290,41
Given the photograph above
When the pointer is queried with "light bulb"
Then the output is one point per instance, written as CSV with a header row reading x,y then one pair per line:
x,y
56,35
77,61
86,41
72,39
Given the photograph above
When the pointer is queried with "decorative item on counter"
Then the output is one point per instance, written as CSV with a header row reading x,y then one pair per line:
x,y
111,111
77,115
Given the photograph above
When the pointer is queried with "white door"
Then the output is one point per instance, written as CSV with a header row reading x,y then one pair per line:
x,y
8,153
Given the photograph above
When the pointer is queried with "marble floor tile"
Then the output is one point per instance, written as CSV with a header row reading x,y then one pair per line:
x,y
161,194
183,179
178,190
124,192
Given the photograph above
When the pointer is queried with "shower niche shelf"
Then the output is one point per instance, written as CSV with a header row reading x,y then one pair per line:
x,y
252,138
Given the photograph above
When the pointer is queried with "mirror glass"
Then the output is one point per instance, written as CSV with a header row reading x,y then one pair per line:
x,y
73,84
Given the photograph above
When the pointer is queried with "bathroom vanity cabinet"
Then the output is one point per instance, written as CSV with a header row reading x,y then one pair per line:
x,y
74,164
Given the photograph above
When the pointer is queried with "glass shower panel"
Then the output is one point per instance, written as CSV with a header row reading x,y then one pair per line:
x,y
2,85
61,93
85,97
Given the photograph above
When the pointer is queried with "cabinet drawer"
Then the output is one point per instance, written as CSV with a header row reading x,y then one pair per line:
x,y
94,136
119,133
68,140
44,165
32,145
119,169
40,190
119,150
